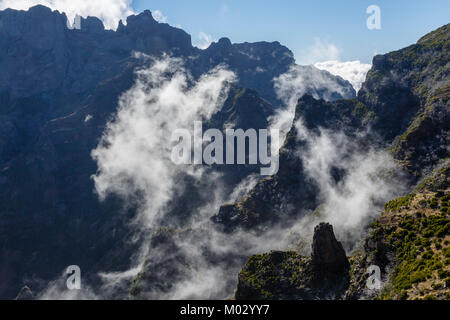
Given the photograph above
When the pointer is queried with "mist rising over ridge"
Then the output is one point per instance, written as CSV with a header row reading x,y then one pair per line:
x,y
86,179
59,88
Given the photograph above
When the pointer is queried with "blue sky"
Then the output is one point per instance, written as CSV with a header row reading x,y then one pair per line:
x,y
315,30
304,25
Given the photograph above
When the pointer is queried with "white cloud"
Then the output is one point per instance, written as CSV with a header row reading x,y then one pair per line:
x,y
109,11
133,158
205,40
298,80
159,16
358,198
353,71
325,55
293,84
320,51
134,154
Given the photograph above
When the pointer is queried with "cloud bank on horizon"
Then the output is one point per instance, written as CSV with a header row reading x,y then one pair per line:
x,y
325,55
353,71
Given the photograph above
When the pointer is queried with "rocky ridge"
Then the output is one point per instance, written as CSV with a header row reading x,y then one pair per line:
x,y
404,104
404,98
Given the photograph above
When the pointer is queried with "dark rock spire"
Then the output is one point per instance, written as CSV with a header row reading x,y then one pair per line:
x,y
328,255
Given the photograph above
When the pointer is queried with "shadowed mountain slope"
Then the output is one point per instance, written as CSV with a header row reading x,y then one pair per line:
x,y
403,106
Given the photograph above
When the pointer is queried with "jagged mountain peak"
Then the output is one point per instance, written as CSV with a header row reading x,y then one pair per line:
x,y
289,275
224,42
92,24
40,53
143,21
328,254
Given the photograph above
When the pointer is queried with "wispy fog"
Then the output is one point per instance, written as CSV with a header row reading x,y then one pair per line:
x,y
133,156
353,71
355,180
134,163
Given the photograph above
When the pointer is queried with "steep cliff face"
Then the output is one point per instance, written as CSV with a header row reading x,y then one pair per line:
x,y
409,242
48,70
33,56
49,191
408,92
40,54
58,89
277,199
401,84
403,106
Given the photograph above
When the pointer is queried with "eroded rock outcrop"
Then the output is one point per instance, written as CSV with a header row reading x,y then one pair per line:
x,y
288,275
328,255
